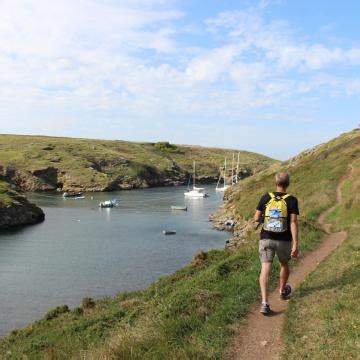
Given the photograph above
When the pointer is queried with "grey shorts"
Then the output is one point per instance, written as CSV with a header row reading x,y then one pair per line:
x,y
268,248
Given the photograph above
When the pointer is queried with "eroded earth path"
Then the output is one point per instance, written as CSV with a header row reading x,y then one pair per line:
x,y
260,336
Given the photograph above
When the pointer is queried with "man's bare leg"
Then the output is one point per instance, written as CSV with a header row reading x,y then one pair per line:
x,y
284,275
264,281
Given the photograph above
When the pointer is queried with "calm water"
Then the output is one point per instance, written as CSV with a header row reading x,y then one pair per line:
x,y
81,250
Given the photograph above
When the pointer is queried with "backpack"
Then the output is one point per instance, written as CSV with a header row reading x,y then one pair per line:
x,y
276,214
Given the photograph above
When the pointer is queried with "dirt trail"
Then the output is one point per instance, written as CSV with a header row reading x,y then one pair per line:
x,y
259,335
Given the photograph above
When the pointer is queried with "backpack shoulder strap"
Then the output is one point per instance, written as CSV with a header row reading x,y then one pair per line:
x,y
286,196
272,195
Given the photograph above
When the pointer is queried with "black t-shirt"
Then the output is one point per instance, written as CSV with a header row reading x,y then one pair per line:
x,y
292,208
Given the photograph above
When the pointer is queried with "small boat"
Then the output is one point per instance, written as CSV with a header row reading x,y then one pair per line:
x,y
179,207
107,204
72,194
169,232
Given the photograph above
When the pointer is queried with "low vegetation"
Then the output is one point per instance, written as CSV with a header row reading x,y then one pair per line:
x,y
189,314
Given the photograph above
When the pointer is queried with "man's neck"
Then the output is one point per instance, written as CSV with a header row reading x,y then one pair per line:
x,y
280,189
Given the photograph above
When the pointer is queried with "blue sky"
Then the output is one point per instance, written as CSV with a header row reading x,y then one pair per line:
x,y
271,76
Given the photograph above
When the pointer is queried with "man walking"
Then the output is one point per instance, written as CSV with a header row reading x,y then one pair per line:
x,y
279,235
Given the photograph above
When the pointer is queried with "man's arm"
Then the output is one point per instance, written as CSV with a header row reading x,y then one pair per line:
x,y
257,218
294,228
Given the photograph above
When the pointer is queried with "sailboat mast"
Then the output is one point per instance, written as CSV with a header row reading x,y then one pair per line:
x,y
225,174
217,185
194,176
237,168
232,170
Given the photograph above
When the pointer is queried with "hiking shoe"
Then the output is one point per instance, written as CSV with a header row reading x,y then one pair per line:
x,y
265,309
284,295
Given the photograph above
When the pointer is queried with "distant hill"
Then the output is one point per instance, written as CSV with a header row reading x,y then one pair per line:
x,y
37,163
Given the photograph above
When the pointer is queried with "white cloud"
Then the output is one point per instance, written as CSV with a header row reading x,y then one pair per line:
x,y
212,64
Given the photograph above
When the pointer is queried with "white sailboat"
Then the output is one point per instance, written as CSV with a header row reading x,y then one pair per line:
x,y
196,192
224,187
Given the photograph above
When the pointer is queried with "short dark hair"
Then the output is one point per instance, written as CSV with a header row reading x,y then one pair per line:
x,y
282,179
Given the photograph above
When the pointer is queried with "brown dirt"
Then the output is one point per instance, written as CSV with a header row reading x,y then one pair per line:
x,y
259,336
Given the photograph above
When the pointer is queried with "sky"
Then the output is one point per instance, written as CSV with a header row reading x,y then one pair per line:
x,y
270,76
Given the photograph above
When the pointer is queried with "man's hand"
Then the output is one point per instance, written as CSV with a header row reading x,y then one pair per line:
x,y
294,252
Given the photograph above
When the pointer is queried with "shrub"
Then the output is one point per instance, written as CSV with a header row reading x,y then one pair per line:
x,y
56,312
165,146
223,269
199,258
78,311
87,303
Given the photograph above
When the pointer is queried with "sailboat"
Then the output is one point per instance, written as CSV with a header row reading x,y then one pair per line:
x,y
196,192
224,187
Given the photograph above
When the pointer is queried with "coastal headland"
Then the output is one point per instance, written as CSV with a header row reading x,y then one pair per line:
x,y
41,163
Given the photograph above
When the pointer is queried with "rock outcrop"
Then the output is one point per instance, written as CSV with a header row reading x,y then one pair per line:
x,y
225,219
20,212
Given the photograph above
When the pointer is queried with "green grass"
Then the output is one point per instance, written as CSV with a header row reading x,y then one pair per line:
x,y
323,319
97,164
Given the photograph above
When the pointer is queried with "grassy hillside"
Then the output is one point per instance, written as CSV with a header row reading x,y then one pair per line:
x,y
314,176
189,314
323,320
50,163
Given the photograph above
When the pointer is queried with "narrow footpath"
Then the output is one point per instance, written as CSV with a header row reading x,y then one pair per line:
x,y
260,336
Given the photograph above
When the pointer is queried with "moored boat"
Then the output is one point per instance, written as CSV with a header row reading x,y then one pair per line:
x,y
169,232
73,194
107,204
179,207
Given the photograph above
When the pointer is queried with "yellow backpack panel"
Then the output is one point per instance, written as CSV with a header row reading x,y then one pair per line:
x,y
276,214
